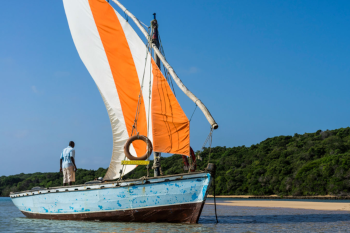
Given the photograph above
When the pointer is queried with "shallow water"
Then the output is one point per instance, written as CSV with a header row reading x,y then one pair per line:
x,y
231,219
218,199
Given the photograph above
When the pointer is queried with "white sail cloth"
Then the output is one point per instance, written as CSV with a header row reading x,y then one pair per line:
x,y
116,59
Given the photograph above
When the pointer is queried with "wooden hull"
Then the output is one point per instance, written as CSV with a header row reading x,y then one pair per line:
x,y
174,199
183,213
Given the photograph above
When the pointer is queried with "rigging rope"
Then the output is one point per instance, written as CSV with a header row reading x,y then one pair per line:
x,y
193,112
134,127
166,72
149,110
126,16
210,139
210,136
144,25
216,215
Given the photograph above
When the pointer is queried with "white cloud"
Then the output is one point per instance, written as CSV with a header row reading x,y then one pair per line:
x,y
35,90
193,70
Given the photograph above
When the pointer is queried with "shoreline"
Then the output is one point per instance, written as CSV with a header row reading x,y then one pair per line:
x,y
288,204
319,197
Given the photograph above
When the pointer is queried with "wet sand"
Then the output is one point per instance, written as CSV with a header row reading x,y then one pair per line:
x,y
318,197
288,204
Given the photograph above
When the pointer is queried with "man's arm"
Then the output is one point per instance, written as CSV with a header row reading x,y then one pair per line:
x,y
75,167
60,165
73,159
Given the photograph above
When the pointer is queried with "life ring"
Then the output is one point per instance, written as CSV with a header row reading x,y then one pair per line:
x,y
134,138
193,158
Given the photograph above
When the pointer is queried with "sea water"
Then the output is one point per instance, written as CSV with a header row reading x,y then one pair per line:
x,y
231,219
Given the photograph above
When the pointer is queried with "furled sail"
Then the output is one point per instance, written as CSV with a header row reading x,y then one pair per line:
x,y
122,68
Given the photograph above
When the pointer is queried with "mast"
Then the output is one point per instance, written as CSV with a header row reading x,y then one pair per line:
x,y
155,38
155,42
178,81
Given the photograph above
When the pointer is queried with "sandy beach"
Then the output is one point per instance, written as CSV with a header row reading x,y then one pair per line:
x,y
288,204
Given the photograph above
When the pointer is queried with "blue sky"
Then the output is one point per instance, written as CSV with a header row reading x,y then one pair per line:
x,y
263,68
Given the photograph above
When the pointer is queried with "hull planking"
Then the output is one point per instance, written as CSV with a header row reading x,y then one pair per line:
x,y
177,198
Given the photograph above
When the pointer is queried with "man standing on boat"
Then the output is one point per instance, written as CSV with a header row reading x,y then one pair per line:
x,y
67,164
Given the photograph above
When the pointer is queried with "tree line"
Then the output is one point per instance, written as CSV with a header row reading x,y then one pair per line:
x,y
300,165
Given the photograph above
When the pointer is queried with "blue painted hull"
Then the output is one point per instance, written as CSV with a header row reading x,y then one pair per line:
x,y
177,198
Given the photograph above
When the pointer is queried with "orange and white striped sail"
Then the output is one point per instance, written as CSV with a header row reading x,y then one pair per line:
x,y
122,68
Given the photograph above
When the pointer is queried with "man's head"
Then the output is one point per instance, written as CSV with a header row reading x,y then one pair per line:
x,y
71,144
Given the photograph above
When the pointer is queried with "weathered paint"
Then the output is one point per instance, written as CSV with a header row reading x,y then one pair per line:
x,y
184,213
135,162
163,193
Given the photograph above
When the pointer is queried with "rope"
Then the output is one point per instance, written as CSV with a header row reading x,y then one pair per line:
x,y
134,127
216,215
206,141
193,112
171,81
210,139
127,19
166,72
149,111
144,24
126,16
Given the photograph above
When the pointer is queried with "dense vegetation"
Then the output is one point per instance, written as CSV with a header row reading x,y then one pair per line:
x,y
23,182
309,164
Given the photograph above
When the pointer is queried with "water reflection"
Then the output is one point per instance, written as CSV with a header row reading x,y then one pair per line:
x,y
28,225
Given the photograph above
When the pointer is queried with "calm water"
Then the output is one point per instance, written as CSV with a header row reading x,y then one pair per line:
x,y
232,219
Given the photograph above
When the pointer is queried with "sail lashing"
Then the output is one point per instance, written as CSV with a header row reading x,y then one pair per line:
x,y
117,59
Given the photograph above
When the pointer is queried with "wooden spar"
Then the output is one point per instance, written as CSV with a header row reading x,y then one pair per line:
x,y
154,25
155,41
177,80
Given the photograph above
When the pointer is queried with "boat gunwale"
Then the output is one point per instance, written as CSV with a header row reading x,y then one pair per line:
x,y
127,183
